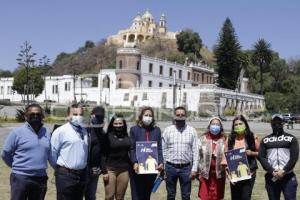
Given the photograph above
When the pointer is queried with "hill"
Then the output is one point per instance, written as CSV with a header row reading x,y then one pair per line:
x,y
90,58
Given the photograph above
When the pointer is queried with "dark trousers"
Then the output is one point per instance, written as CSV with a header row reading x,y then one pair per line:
x,y
91,187
28,187
242,190
69,186
141,185
288,185
173,174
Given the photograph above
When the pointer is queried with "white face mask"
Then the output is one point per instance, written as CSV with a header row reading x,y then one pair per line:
x,y
147,120
77,120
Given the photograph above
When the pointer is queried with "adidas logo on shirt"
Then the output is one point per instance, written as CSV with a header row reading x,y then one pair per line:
x,y
278,139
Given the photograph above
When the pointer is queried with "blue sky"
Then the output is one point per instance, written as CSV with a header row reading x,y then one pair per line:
x,y
56,26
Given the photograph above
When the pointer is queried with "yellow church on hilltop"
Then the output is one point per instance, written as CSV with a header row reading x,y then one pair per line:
x,y
143,28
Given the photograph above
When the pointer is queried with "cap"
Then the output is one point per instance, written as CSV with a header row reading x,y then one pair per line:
x,y
277,116
98,110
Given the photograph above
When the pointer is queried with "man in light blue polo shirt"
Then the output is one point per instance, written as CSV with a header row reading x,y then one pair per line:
x,y
69,153
26,151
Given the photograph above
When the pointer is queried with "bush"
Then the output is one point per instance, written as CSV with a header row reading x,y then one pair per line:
x,y
5,102
229,112
20,116
204,114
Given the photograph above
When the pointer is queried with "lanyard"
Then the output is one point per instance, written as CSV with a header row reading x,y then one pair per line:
x,y
147,135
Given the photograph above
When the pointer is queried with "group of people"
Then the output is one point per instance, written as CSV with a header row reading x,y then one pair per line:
x,y
80,153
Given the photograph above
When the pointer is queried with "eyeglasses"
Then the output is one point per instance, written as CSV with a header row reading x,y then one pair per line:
x,y
180,115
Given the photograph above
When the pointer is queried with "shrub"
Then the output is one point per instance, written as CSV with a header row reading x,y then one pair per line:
x,y
229,112
20,115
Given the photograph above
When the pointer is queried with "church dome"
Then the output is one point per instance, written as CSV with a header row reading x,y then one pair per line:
x,y
147,15
137,18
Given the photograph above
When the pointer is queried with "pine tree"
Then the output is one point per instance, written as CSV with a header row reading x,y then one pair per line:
x,y
227,52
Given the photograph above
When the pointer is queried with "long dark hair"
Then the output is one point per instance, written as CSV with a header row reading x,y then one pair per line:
x,y
249,136
110,127
140,119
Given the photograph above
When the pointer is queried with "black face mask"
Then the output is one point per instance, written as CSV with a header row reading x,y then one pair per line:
x,y
180,123
98,119
119,131
277,128
35,119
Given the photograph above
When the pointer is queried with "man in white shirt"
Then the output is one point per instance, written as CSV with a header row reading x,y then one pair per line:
x,y
180,152
69,153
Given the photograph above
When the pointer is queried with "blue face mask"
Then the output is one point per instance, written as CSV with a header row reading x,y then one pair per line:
x,y
214,129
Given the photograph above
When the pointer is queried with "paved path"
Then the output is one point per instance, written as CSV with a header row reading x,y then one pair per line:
x,y
256,127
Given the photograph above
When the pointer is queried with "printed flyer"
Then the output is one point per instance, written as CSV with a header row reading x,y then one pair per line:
x,y
238,167
147,156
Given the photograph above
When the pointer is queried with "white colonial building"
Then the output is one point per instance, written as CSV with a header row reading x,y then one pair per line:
x,y
139,80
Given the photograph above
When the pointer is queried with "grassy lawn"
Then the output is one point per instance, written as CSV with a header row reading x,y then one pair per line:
x,y
259,192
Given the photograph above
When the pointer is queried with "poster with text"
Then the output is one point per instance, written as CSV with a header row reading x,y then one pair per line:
x,y
238,167
147,156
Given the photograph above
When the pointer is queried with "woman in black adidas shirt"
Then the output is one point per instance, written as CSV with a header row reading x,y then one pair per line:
x,y
278,155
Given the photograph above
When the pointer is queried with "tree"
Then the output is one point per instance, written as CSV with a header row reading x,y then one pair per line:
x,y
5,73
279,71
44,65
227,52
295,66
35,82
262,57
189,41
89,44
25,59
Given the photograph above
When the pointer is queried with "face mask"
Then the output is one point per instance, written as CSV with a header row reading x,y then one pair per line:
x,y
214,129
240,129
277,128
180,123
119,131
77,120
34,119
119,128
97,119
147,120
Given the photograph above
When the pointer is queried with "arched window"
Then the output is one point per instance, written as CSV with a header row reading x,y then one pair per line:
x,y
106,82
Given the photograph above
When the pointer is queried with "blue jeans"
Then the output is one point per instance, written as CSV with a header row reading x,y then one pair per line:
x,y
28,187
69,186
91,187
288,185
173,174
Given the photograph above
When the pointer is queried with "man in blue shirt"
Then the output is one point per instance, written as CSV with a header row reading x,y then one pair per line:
x,y
69,153
26,151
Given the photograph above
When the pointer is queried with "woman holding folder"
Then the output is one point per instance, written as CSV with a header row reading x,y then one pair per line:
x,y
242,137
144,131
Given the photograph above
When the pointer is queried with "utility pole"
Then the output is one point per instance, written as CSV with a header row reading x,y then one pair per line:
x,y
174,90
74,95
81,100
